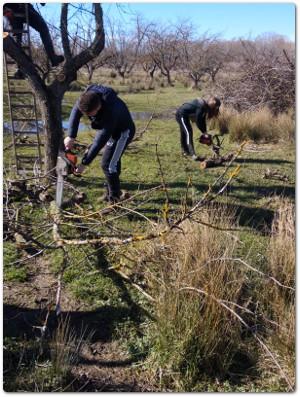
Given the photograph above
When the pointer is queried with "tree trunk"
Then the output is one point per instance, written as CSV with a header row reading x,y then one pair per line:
x,y
168,74
151,73
195,85
52,129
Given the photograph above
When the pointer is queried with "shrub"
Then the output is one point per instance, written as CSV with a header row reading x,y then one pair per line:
x,y
113,74
259,126
285,126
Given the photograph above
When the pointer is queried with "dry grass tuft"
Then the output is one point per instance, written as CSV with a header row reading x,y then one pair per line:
x,y
215,315
282,261
261,126
195,334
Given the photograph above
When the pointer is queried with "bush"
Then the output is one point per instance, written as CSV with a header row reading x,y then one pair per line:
x,y
285,126
258,126
113,74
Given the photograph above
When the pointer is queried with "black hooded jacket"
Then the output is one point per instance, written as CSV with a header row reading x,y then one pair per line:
x,y
112,119
197,109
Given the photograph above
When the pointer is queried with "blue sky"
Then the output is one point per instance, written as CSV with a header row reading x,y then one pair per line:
x,y
231,20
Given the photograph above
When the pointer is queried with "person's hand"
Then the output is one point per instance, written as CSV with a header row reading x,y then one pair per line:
x,y
69,143
79,170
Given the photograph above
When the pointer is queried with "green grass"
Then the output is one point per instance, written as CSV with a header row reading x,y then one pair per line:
x,y
11,271
88,278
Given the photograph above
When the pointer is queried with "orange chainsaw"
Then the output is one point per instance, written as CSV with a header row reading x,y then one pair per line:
x,y
65,165
212,140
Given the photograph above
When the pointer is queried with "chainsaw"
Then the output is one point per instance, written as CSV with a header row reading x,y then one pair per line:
x,y
65,165
213,141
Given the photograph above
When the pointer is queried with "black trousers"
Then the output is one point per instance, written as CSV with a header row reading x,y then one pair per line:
x,y
111,161
186,134
37,22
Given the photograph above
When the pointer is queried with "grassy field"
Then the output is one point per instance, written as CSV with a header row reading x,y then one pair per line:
x,y
179,342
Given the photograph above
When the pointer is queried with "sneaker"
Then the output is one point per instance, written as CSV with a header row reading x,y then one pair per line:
x,y
113,199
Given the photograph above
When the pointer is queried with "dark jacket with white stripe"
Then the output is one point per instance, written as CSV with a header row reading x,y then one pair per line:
x,y
197,109
112,119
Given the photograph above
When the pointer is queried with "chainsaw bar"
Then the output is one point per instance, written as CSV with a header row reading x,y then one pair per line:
x,y
61,171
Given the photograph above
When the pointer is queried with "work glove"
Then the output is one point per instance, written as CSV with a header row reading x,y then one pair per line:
x,y
69,143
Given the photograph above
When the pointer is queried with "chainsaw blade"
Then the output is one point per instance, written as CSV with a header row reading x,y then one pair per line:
x,y
61,171
59,190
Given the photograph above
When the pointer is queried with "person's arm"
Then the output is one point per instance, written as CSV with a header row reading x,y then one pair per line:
x,y
102,136
201,120
74,120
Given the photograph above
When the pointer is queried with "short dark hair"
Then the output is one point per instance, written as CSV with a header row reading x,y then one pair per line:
x,y
89,101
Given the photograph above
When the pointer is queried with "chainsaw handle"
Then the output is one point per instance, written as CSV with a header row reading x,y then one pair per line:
x,y
205,139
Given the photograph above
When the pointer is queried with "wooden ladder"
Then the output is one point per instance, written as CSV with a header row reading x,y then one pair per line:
x,y
26,141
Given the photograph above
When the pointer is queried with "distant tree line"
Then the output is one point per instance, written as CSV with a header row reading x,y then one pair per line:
x,y
246,73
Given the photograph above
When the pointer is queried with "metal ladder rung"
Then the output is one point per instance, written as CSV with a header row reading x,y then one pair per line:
x,y
27,158
22,106
29,144
25,132
24,119
16,78
21,92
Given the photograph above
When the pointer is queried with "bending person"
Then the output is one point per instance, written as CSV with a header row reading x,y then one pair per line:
x,y
110,116
197,110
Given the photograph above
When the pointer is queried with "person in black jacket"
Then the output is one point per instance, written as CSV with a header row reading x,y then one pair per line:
x,y
197,110
110,116
16,15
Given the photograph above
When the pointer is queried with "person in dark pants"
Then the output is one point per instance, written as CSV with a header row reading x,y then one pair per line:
x,y
110,116
197,110
16,14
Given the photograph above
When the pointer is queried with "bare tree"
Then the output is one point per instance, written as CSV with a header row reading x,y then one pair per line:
x,y
164,49
50,96
123,48
216,55
147,63
194,59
